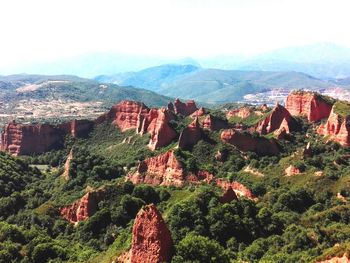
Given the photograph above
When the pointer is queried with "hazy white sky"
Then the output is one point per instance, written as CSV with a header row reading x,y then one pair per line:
x,y
46,29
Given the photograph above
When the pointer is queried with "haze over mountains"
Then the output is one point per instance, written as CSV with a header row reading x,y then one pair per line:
x,y
321,60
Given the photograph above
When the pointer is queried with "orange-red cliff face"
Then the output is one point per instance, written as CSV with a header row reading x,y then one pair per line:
x,y
337,128
246,142
190,135
163,169
308,104
184,109
237,187
213,124
278,117
125,114
151,238
343,259
166,170
81,209
156,122
243,113
18,139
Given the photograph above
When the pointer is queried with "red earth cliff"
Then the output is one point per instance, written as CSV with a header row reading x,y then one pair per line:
x,y
213,124
228,196
166,170
343,259
190,135
246,142
65,174
308,104
151,238
163,169
184,109
279,116
243,113
237,187
125,114
19,139
198,113
157,124
81,209
337,128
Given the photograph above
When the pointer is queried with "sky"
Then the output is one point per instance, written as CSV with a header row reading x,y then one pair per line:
x,y
44,30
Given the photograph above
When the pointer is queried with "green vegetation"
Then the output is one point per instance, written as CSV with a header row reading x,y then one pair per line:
x,y
294,219
342,108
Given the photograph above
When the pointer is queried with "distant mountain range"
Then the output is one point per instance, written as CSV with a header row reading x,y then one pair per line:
x,y
214,85
322,60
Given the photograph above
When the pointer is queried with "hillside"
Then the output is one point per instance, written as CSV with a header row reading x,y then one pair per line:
x,y
231,184
215,86
153,78
41,97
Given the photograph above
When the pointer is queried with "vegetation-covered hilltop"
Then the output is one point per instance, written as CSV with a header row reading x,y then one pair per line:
x,y
291,206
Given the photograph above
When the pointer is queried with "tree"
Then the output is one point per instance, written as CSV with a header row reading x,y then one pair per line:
x,y
195,248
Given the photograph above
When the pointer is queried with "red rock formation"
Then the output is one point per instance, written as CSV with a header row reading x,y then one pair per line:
x,y
190,135
198,113
291,170
343,259
243,113
163,169
161,133
184,109
125,114
166,170
77,128
81,209
214,124
18,139
221,156
264,107
308,104
246,142
237,187
279,117
151,239
228,196
337,128
65,174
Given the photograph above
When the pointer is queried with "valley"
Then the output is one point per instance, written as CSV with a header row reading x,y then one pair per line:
x,y
180,183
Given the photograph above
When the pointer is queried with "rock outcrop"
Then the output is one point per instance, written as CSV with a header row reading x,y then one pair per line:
x,y
184,109
237,187
243,113
228,196
278,118
166,170
77,128
125,114
69,159
190,135
198,113
214,124
83,208
161,132
151,238
308,104
163,169
246,142
343,259
291,170
337,128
